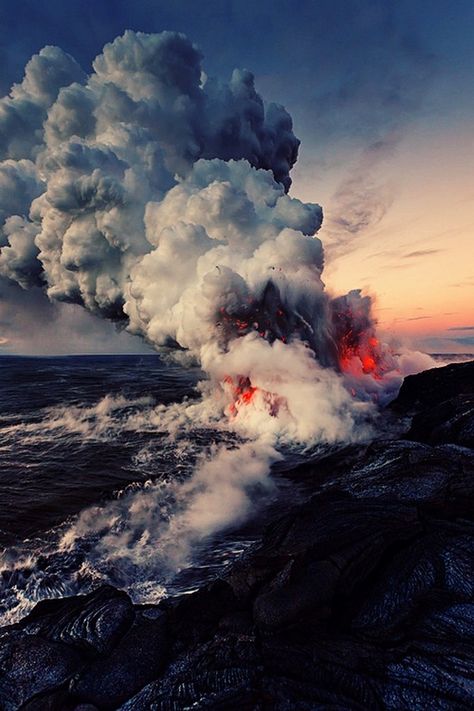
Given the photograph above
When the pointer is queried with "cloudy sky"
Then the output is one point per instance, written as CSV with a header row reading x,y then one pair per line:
x,y
382,98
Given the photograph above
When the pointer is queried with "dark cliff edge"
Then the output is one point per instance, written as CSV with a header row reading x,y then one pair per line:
x,y
360,597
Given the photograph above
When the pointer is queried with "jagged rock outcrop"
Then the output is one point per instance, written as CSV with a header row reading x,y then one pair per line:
x,y
442,401
435,386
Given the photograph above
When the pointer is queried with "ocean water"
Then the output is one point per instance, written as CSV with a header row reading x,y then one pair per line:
x,y
88,470
58,452
92,476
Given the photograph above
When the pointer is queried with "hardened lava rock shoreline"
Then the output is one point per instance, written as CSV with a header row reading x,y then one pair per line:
x,y
361,597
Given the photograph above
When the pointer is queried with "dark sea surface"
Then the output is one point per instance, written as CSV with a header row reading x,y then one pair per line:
x,y
77,433
83,453
51,466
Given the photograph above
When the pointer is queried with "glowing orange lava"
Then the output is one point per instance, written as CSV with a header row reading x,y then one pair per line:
x,y
366,351
242,392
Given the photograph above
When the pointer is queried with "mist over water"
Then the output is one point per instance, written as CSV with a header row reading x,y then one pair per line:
x,y
104,484
75,432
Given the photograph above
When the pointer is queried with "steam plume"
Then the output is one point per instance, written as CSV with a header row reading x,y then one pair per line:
x,y
157,197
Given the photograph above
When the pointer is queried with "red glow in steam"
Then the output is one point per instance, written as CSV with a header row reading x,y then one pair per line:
x,y
365,351
241,390
358,351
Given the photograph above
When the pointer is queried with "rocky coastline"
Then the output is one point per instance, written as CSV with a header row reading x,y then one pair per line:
x,y
361,596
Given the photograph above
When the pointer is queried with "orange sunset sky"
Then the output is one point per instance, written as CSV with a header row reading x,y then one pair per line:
x,y
418,259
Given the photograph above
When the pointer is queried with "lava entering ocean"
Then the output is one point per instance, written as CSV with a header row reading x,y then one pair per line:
x,y
158,198
350,346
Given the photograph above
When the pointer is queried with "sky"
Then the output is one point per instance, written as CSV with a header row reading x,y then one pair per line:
x,y
382,99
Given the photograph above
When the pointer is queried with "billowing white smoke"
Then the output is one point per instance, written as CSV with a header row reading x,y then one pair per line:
x,y
82,157
155,196
219,238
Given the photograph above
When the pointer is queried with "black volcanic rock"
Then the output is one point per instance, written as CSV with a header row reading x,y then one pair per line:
x,y
31,665
92,624
442,402
359,597
136,660
450,421
435,386
436,478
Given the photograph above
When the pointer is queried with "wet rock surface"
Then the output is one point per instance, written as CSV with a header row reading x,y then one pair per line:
x,y
442,402
437,385
360,597
450,421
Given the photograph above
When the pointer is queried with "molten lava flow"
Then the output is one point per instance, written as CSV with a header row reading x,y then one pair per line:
x,y
241,391
358,349
346,342
364,355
